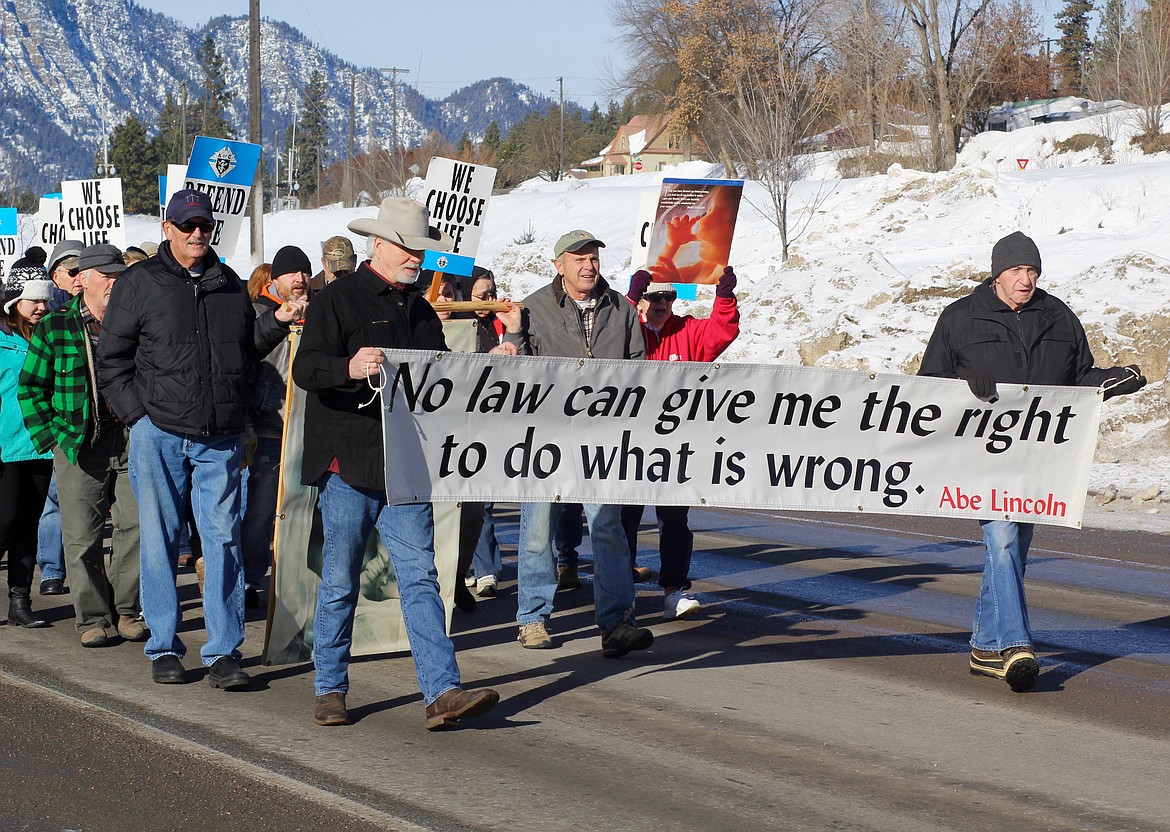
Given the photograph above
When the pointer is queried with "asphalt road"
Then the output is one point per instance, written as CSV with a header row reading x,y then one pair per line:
x,y
824,687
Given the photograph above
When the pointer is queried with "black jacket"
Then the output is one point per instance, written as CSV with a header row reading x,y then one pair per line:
x,y
1043,343
178,349
362,310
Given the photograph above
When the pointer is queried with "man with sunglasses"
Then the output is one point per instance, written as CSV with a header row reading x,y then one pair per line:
x,y
671,337
64,413
1010,330
65,272
177,342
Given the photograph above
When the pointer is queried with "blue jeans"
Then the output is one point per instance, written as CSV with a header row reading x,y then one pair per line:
x,y
50,551
348,515
1001,613
567,535
487,559
164,467
613,583
261,479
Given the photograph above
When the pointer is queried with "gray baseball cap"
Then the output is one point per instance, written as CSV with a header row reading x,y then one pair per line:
x,y
575,241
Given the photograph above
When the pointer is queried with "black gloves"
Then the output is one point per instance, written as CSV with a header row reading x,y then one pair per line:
x,y
638,284
726,286
982,385
1123,380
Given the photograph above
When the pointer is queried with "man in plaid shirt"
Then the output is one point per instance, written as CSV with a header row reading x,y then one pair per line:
x,y
65,413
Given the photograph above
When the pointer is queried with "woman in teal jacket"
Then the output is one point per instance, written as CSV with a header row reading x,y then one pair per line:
x,y
24,473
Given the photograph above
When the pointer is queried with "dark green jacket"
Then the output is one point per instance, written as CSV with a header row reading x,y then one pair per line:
x,y
57,385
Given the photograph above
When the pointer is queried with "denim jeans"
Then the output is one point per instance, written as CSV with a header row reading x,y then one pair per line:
x,y
261,479
1001,613
164,468
613,583
567,535
676,542
348,515
50,550
487,559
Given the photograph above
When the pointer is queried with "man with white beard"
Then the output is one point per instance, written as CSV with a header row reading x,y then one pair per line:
x,y
346,326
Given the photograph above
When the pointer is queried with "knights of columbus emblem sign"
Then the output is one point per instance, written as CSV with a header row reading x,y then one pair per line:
x,y
223,161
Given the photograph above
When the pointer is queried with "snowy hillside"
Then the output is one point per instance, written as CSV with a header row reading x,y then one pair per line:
x,y
882,256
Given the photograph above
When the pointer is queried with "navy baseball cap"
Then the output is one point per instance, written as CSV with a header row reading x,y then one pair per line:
x,y
189,204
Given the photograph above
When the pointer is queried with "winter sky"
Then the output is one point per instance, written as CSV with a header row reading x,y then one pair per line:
x,y
451,43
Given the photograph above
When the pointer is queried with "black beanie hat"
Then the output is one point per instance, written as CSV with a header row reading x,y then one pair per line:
x,y
1013,250
290,259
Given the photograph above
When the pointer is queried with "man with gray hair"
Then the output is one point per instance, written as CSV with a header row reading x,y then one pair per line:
x,y
346,327
578,315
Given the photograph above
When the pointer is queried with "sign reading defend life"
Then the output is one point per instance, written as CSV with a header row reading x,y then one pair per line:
x,y
225,171
457,194
8,233
93,211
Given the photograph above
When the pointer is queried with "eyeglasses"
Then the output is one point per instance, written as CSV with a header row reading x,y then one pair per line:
x,y
189,226
74,272
654,297
485,296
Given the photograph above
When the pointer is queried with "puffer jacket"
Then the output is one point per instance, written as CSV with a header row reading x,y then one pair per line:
x,y
552,325
179,349
1042,343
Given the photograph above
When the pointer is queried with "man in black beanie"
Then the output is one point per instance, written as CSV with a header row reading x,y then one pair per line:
x,y
1009,330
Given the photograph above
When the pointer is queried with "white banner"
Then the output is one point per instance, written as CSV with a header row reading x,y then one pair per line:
x,y
50,222
496,428
93,211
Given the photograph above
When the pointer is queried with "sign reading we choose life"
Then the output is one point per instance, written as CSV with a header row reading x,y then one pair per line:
x,y
93,211
457,194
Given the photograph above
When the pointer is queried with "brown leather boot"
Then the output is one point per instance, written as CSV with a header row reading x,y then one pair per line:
x,y
330,710
457,704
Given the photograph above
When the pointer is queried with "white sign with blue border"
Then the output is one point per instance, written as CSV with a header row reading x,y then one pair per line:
x,y
8,241
225,171
457,194
50,221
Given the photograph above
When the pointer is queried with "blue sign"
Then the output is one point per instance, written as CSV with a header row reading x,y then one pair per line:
x,y
162,190
8,227
223,161
448,263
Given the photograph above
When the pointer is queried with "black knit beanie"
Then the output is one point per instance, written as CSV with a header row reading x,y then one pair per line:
x,y
1013,250
290,259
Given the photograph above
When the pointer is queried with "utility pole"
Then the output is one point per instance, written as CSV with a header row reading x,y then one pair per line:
x,y
394,157
561,168
348,185
255,134
184,152
276,203
292,160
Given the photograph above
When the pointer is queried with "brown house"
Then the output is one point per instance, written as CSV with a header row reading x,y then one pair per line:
x,y
646,144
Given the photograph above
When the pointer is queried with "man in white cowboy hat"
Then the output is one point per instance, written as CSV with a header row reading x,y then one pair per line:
x,y
346,325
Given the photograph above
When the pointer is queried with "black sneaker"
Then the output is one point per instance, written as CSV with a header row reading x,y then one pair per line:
x,y
226,675
168,670
623,638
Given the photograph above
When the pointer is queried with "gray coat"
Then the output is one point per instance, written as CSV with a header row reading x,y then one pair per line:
x,y
552,325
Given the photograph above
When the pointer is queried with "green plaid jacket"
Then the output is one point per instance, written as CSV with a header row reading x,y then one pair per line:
x,y
57,389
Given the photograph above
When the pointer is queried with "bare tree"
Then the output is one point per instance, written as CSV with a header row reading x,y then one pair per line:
x,y
1145,64
952,37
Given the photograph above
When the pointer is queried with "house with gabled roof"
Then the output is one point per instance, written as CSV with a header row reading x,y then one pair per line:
x,y
646,144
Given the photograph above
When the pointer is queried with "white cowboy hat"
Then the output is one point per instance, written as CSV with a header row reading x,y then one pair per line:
x,y
405,222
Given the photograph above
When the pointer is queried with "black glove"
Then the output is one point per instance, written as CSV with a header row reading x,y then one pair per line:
x,y
638,284
726,286
1123,381
982,385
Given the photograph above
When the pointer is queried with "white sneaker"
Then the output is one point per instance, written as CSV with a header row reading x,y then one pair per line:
x,y
680,604
485,587
469,580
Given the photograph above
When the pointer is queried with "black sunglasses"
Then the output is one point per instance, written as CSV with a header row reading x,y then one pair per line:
x,y
189,226
74,272
654,297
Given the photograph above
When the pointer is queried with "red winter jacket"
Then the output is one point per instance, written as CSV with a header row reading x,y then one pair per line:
x,y
687,338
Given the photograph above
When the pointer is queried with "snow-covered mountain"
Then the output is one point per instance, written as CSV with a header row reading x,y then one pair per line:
x,y
68,67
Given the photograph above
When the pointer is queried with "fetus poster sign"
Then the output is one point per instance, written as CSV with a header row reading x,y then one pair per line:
x,y
693,227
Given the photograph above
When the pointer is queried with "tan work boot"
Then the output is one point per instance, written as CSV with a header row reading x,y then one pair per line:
x,y
97,637
131,629
534,636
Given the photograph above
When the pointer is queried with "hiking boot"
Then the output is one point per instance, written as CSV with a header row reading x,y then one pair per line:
x,y
457,704
534,636
131,629
680,604
567,577
1017,666
98,637
623,638
330,709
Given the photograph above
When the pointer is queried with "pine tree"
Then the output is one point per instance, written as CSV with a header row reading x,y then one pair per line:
x,y
312,134
1075,46
168,146
133,157
212,117
492,138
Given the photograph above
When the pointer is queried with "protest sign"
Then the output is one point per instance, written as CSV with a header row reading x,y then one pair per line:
x,y
481,427
8,241
225,171
93,211
693,227
457,194
296,574
50,221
